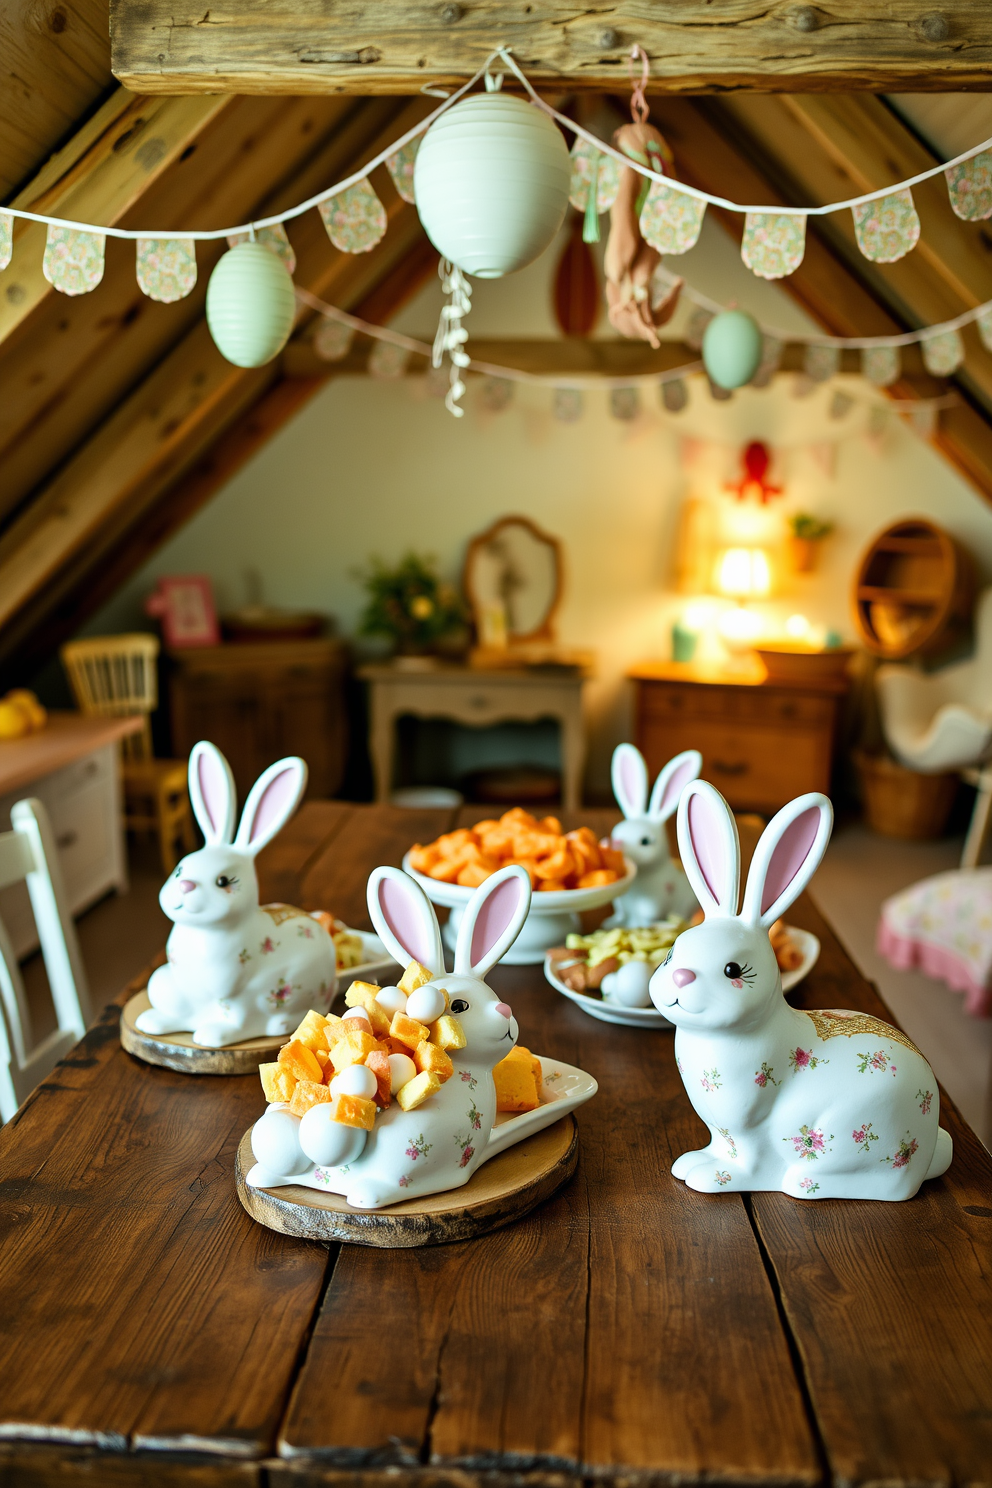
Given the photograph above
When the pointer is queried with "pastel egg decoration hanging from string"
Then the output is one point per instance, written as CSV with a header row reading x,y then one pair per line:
x,y
491,183
732,347
250,305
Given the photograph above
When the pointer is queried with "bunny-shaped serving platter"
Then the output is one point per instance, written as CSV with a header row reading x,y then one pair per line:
x,y
818,1104
438,1147
239,976
660,888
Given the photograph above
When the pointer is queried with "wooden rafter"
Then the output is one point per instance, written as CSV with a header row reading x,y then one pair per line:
x,y
272,46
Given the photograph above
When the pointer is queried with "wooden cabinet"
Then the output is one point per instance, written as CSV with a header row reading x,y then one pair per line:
x,y
260,701
762,743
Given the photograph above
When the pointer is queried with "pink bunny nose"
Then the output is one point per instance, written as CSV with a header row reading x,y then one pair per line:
x,y
683,976
187,885
504,1009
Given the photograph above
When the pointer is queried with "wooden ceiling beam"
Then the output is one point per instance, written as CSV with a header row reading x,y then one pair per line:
x,y
308,46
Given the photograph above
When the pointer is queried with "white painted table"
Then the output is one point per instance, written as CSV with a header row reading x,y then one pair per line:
x,y
477,698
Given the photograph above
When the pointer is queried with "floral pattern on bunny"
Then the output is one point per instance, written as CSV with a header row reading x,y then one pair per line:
x,y
660,888
438,1145
236,970
722,989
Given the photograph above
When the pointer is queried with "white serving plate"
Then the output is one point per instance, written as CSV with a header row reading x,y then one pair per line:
x,y
649,1017
552,916
375,958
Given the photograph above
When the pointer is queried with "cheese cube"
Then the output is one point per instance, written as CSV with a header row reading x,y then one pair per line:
x,y
416,1091
351,1048
308,1093
407,1030
300,1061
311,1032
448,1033
428,1056
378,1063
277,1083
353,1110
363,995
528,1060
415,976
516,1086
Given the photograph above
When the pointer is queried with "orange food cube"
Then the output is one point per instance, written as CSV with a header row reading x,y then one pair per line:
x,y
363,995
378,1063
351,1048
422,859
308,1093
300,1061
474,874
516,1085
323,1058
353,1110
447,1033
612,858
324,918
523,1056
555,865
427,1056
446,870
550,824
416,1091
585,849
415,976
312,1032
277,1083
408,1031
597,879
551,885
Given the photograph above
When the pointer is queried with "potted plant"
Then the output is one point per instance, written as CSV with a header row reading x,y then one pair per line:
x,y
408,603
806,533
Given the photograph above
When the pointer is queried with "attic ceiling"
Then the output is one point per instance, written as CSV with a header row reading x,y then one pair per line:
x,y
118,417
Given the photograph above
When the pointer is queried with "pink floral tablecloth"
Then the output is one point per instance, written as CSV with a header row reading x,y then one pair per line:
x,y
943,925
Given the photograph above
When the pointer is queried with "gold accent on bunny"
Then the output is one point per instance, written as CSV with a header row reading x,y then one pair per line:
x,y
834,1024
279,912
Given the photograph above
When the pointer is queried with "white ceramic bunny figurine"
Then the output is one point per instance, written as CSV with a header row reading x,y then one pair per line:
x,y
827,1105
235,970
660,888
438,1145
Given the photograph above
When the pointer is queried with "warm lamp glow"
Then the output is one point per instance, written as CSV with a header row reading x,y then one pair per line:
x,y
744,573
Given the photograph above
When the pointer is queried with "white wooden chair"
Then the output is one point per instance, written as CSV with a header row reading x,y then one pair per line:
x,y
28,852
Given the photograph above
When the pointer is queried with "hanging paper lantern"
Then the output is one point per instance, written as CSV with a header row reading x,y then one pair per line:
x,y
250,305
491,181
732,347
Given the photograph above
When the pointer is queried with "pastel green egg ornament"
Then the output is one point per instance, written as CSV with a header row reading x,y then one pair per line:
x,y
250,305
732,348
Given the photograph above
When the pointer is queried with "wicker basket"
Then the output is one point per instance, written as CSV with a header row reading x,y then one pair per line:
x,y
902,803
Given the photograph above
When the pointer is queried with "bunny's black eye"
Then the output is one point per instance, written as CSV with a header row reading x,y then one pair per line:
x,y
224,882
645,841
732,970
459,1005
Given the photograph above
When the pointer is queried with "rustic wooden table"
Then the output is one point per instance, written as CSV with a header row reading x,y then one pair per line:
x,y
629,1329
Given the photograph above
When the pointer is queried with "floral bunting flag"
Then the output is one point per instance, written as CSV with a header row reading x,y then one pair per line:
x,y
969,186
625,402
6,239
568,405
984,323
881,365
888,228
332,340
588,165
166,268
720,394
820,363
840,405
355,219
671,220
878,426
695,328
273,237
942,354
774,243
400,167
387,361
674,395
496,394
771,356
73,261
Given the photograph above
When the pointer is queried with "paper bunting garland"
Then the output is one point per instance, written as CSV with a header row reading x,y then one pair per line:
x,y
400,167
6,238
840,405
820,363
332,340
969,186
773,246
671,220
166,268
771,356
271,237
387,362
568,405
355,219
881,365
588,165
674,395
878,427
719,394
696,327
942,354
625,402
888,228
496,394
73,261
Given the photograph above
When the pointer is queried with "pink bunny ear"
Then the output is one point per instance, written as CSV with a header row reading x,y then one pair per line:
x,y
629,775
672,782
492,921
788,854
709,848
211,792
404,919
271,802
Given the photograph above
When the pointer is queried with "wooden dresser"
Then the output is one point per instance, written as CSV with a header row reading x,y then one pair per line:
x,y
260,701
762,742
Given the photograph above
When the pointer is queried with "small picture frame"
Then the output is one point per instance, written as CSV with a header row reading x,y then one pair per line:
x,y
184,606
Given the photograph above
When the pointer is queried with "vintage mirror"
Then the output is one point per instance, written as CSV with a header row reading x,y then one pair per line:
x,y
512,581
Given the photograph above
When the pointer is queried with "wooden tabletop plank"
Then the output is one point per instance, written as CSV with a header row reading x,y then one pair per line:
x,y
338,877
283,865
891,1304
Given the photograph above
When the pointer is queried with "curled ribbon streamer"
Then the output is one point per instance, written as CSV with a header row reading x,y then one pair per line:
x,y
6,239
451,334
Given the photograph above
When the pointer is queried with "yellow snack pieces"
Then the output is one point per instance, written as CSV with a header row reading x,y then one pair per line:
x,y
516,1082
300,1061
311,1032
428,1056
408,1030
277,1083
353,1110
416,1091
351,1048
308,1093
415,976
448,1033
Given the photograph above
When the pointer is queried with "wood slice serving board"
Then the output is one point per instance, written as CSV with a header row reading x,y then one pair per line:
x,y
502,1190
177,1051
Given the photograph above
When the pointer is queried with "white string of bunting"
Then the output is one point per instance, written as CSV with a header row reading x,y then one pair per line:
x,y
886,223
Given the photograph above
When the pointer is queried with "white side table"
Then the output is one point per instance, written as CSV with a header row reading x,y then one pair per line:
x,y
478,698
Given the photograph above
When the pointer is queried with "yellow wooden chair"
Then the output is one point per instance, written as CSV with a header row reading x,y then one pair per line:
x,y
117,676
